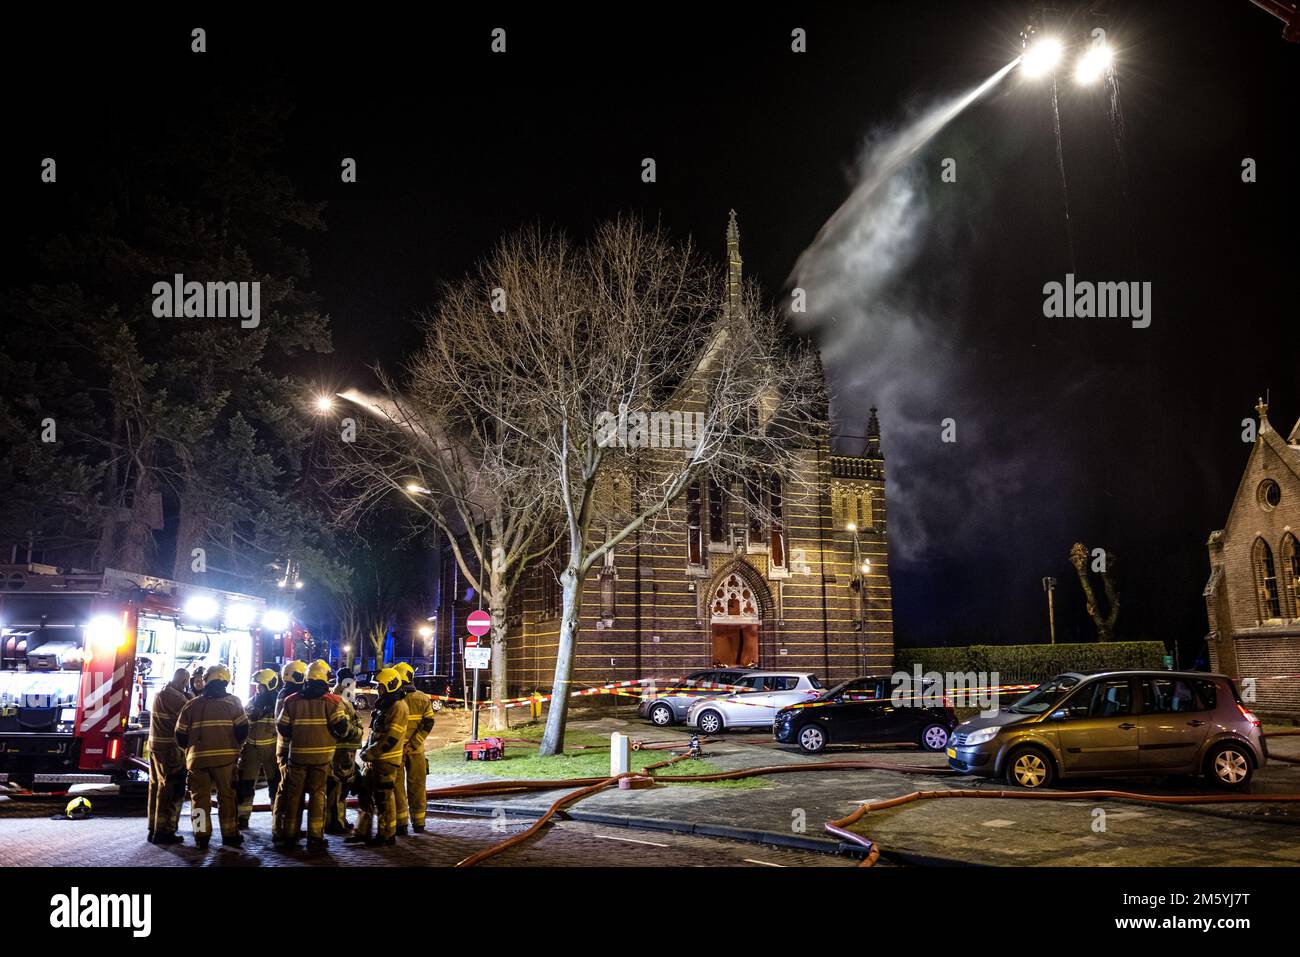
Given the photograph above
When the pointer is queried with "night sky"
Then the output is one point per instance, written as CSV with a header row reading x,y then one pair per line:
x,y
1067,429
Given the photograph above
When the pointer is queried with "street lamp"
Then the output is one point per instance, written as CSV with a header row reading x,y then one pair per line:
x,y
1049,586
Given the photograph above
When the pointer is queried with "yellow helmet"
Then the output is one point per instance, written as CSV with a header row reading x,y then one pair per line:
x,y
218,673
78,809
267,679
389,680
294,673
404,669
318,671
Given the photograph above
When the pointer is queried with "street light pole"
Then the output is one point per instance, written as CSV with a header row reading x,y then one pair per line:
x,y
1049,586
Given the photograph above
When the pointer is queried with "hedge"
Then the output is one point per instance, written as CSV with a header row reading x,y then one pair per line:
x,y
1025,663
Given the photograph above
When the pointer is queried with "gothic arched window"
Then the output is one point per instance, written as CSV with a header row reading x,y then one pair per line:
x,y
1291,574
1266,581
733,599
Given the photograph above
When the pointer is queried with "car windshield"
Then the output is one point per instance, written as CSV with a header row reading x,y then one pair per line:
x,y
861,689
1045,696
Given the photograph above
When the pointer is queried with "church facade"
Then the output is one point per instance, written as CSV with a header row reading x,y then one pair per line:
x,y
1252,597
753,574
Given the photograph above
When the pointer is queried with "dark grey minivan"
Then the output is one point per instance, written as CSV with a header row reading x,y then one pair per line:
x,y
1119,723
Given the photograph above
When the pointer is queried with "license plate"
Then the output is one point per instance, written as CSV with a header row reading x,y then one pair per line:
x,y
952,752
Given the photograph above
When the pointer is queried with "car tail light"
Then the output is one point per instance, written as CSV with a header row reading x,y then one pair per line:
x,y
1247,715
947,702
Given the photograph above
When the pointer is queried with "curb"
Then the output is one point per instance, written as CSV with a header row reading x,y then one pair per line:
x,y
743,834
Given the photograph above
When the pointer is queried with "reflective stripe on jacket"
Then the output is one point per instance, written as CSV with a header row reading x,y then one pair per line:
x,y
387,732
419,721
167,705
311,726
210,726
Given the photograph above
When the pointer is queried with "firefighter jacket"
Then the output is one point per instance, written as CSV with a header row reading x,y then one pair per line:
x,y
167,705
419,719
211,728
310,723
282,745
352,740
261,720
387,730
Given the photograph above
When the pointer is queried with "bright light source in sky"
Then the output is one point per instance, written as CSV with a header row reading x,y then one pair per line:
x,y
201,608
275,621
1042,57
1093,65
324,403
416,488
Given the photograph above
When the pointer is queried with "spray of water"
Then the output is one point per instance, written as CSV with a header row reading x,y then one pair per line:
x,y
884,163
887,343
1060,165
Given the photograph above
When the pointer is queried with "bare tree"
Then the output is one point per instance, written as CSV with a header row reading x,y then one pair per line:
x,y
463,461
584,340
1105,624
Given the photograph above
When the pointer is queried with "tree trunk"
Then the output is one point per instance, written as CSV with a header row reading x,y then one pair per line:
x,y
553,736
188,537
496,715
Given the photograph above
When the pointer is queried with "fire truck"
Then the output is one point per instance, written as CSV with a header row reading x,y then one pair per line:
x,y
82,656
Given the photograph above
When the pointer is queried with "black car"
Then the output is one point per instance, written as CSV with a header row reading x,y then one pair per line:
x,y
861,711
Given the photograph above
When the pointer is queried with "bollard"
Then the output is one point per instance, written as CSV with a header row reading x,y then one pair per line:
x,y
618,754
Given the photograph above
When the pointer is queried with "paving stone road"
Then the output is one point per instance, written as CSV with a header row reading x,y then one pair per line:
x,y
33,842
982,831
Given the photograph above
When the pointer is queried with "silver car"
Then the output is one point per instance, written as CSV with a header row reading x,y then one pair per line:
x,y
667,702
764,694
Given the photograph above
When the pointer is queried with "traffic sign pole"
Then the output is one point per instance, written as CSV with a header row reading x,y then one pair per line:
x,y
479,624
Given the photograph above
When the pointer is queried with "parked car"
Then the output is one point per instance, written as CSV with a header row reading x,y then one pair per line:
x,y
668,706
764,694
860,711
1116,723
436,686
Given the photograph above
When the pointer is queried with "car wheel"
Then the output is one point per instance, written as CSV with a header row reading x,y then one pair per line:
x,y
710,722
661,715
812,739
934,737
1229,766
1030,768
436,704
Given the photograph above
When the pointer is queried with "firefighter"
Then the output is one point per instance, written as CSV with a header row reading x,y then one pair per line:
x,y
343,770
292,677
258,755
211,729
311,722
166,762
196,682
415,765
382,757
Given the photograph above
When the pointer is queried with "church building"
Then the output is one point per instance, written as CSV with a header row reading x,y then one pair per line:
x,y
803,587
1252,598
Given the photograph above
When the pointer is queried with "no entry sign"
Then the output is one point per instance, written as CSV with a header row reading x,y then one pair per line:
x,y
479,624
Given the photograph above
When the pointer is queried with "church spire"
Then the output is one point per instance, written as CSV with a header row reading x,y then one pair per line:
x,y
1262,408
734,265
872,449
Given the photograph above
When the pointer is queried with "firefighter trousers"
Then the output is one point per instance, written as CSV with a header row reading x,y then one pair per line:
x,y
399,792
255,760
343,772
203,781
416,773
301,779
378,799
282,763
166,789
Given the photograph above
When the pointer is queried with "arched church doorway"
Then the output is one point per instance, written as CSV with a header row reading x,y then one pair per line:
x,y
735,620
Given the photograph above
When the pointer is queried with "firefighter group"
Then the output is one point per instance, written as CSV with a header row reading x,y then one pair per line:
x,y
305,738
